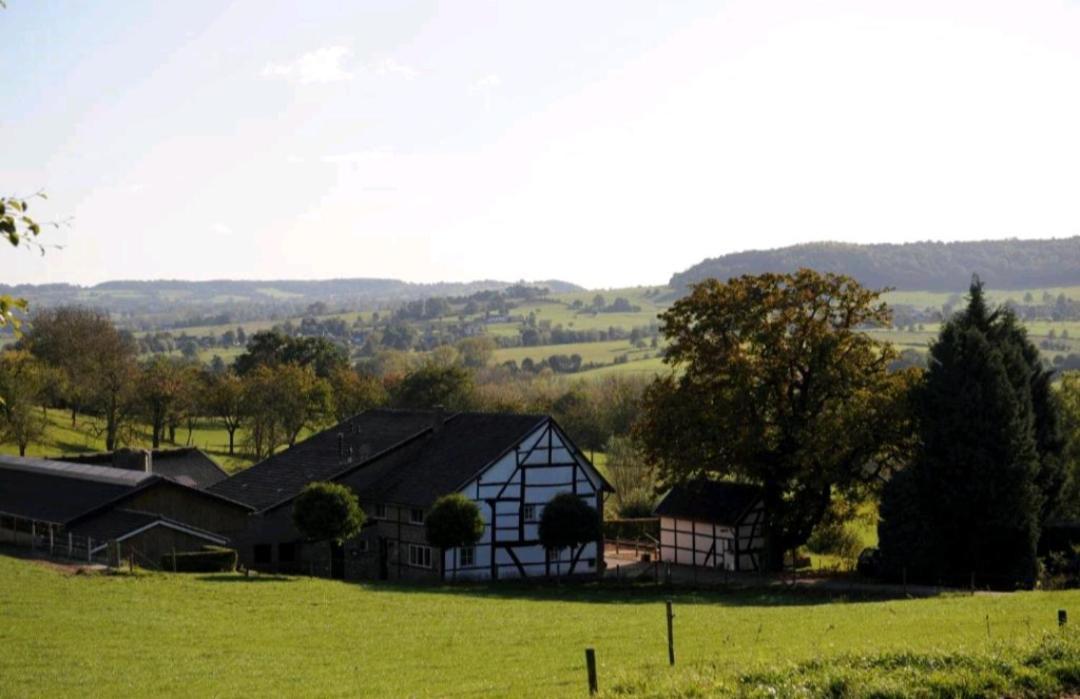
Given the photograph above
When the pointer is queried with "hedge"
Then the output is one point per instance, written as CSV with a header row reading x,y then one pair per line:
x,y
212,559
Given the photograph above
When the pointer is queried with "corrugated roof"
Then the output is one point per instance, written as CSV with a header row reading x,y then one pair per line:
x,y
704,500
54,495
187,465
99,474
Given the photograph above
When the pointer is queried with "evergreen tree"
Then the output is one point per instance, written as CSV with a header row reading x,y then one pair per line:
x,y
971,501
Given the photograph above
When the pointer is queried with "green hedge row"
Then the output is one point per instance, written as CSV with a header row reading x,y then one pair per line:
x,y
212,559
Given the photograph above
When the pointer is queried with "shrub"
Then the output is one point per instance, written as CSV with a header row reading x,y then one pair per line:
x,y
212,559
453,521
327,511
568,521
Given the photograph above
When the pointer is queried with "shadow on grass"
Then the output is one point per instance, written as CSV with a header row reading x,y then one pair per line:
x,y
594,592
238,578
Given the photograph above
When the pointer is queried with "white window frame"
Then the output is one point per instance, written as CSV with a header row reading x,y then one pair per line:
x,y
419,556
467,556
528,512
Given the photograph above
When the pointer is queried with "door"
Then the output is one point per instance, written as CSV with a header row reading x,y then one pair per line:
x,y
384,558
337,561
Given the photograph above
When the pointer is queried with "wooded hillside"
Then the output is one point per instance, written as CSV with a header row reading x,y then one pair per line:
x,y
928,266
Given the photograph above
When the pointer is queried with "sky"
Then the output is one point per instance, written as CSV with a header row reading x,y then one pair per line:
x,y
604,143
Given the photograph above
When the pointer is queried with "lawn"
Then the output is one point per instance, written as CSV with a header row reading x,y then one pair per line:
x,y
224,635
88,436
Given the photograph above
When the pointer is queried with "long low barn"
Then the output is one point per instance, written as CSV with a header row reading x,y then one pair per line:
x,y
63,506
712,524
399,462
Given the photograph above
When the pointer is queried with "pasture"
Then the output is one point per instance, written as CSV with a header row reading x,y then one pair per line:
x,y
226,635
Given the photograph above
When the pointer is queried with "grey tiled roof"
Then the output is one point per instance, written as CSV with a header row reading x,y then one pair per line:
x,y
187,465
705,500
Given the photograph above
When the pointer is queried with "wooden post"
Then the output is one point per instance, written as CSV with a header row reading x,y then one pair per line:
x,y
50,541
670,635
590,667
1063,618
174,559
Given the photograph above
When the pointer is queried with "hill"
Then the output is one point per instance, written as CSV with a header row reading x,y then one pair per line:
x,y
925,266
177,303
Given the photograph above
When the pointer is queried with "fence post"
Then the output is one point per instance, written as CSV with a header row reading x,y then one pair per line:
x,y
590,667
50,540
71,545
670,635
33,534
1063,618
89,548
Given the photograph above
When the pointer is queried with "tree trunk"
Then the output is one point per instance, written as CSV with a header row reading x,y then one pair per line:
x,y
74,414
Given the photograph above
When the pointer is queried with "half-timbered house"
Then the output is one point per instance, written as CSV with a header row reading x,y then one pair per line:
x,y
712,524
398,462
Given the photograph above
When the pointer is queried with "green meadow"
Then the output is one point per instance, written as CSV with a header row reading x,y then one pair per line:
x,y
158,634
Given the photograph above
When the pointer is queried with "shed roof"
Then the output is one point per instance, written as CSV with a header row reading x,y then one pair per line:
x,y
188,465
705,500
56,492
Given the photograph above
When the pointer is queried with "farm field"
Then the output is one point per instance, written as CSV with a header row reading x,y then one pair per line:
x,y
225,635
88,436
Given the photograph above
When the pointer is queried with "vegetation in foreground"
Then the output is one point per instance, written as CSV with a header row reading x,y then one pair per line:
x,y
226,635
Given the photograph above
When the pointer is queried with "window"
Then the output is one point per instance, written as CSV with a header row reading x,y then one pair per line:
x,y
416,516
419,556
264,553
286,552
380,511
467,556
529,513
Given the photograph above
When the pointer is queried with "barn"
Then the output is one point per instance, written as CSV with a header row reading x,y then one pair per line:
x,y
399,462
712,524
60,506
188,465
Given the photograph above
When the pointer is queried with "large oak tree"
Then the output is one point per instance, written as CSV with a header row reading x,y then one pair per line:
x,y
775,383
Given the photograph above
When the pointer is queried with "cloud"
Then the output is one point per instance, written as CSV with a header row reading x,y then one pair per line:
x,y
319,66
390,67
486,85
221,229
356,158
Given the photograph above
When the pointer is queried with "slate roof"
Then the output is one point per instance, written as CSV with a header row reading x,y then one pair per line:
x,y
439,462
56,492
705,500
188,465
319,458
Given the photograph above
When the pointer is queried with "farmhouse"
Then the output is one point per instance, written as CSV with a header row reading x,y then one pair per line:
x,y
712,524
399,462
60,506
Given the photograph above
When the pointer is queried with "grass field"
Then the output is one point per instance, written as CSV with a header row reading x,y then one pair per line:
x,y
88,436
224,635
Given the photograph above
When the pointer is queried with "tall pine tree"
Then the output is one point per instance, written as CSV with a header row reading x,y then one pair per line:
x,y
972,500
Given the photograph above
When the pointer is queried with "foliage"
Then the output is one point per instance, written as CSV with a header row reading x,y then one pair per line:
x,y
19,228
1069,400
631,476
327,511
775,383
164,385
272,348
223,397
568,521
23,379
212,559
970,502
429,386
453,521
281,401
353,392
834,536
476,352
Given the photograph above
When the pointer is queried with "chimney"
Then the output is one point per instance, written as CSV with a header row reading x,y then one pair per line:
x,y
132,460
438,417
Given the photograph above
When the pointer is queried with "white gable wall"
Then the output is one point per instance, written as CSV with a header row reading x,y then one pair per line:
x,y
543,465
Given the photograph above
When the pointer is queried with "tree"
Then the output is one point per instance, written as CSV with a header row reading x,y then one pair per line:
x,y
568,522
476,352
431,386
1069,397
353,392
454,521
19,228
224,399
970,502
631,476
270,348
775,383
280,402
23,380
327,512
163,384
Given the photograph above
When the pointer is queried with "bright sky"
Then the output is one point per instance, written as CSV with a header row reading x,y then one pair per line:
x,y
605,143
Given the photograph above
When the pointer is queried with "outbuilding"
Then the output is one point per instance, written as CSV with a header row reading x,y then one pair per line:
x,y
712,524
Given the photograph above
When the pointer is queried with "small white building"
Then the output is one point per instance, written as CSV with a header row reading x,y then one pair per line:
x,y
712,524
